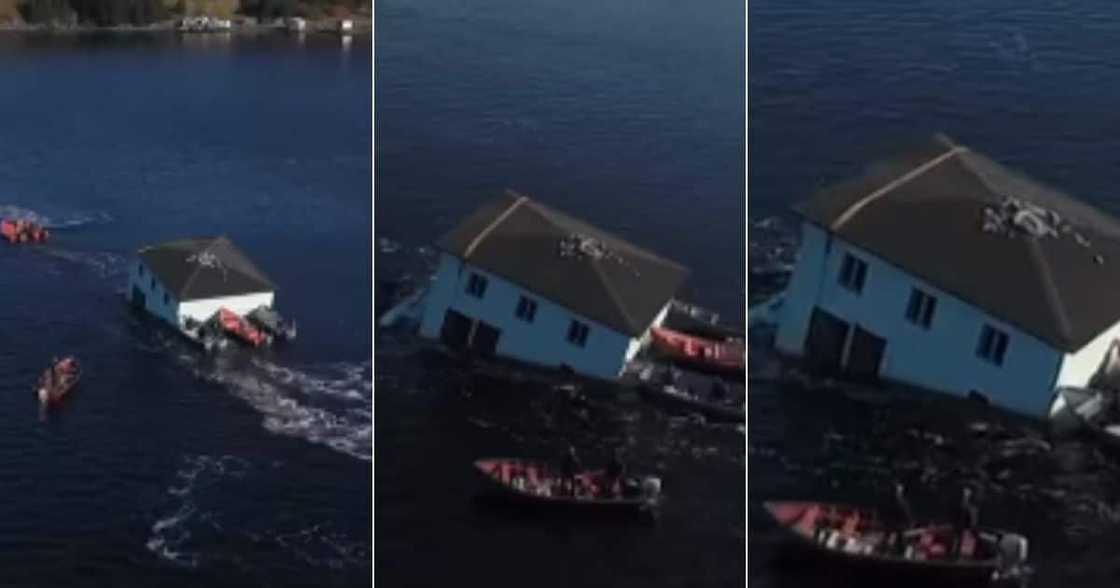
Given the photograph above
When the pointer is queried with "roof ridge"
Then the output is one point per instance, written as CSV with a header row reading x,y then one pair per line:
x,y
858,205
618,304
493,224
1050,290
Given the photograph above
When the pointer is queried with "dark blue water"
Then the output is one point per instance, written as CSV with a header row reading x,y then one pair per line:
x,y
166,468
832,87
630,115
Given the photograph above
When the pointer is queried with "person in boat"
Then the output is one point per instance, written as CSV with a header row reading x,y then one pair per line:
x,y
968,519
568,468
616,469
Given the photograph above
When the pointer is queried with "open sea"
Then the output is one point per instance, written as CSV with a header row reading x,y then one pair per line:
x,y
164,467
834,86
630,115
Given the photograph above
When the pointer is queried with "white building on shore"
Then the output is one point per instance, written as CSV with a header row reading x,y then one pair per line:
x,y
193,278
944,270
520,280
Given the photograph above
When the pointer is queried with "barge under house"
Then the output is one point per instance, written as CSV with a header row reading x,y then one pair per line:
x,y
520,280
944,270
189,280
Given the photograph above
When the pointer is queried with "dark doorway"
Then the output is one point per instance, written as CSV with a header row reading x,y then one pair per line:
x,y
138,299
485,339
824,343
866,355
456,330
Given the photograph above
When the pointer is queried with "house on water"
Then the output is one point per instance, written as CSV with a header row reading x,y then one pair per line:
x,y
193,278
941,269
520,280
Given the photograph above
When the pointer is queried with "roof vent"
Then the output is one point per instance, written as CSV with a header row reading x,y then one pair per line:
x,y
209,260
1014,217
580,246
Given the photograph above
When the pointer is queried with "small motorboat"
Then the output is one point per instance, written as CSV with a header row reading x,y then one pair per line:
x,y
58,380
694,320
272,323
858,538
1086,409
725,357
666,386
23,231
533,483
237,327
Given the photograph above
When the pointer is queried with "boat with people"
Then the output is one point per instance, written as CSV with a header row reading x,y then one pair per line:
x,y
58,380
538,484
709,355
860,539
23,231
237,327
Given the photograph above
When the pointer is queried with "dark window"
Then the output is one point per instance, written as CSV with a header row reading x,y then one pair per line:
x,y
140,270
153,284
526,309
853,273
921,307
166,299
476,286
577,333
993,345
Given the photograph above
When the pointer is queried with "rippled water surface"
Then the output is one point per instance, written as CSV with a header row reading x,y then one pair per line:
x,y
627,114
832,86
166,468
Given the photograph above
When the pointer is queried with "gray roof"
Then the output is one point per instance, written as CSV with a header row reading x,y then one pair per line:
x,y
211,267
924,211
618,285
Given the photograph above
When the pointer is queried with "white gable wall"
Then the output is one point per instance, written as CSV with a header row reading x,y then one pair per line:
x,y
942,358
173,312
205,308
543,342
1080,365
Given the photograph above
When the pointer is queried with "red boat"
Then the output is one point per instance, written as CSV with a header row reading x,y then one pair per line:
x,y
700,353
533,483
858,539
238,327
58,380
23,231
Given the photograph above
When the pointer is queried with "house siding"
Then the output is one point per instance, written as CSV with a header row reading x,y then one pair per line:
x,y
140,277
542,342
942,358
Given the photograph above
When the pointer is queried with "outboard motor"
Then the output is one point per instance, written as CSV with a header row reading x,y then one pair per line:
x,y
651,488
1013,558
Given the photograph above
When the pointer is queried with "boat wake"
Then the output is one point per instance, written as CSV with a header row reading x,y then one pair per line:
x,y
190,524
68,222
104,264
329,405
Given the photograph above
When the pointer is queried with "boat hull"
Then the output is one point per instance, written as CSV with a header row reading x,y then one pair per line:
x,y
939,570
499,479
722,358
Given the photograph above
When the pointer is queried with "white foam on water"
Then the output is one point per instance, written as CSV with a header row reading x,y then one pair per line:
x,y
75,220
290,401
170,538
104,264
170,533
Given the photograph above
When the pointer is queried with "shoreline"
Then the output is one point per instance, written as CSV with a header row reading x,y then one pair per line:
x,y
361,28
